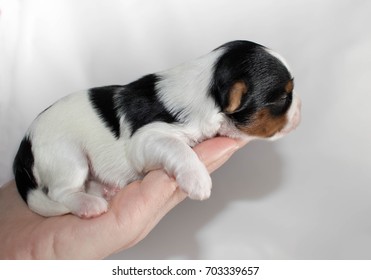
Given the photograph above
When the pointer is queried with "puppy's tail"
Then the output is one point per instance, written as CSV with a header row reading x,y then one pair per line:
x,y
40,203
37,200
28,188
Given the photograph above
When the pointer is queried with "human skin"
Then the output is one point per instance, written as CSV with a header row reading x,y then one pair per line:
x,y
133,213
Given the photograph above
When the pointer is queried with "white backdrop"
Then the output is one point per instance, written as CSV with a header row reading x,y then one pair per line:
x,y
307,196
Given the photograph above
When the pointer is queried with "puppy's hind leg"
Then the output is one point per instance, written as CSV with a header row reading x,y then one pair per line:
x,y
66,185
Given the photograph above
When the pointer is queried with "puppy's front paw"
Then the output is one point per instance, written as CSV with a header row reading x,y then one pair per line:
x,y
196,182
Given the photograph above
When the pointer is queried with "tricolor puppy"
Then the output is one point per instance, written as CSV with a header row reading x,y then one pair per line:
x,y
88,143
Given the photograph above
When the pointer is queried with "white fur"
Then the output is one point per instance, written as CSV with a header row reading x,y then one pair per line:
x,y
80,155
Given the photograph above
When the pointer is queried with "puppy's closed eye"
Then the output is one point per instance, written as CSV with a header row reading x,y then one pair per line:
x,y
286,97
281,104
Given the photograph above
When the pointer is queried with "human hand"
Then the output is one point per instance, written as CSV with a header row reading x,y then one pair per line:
x,y
133,213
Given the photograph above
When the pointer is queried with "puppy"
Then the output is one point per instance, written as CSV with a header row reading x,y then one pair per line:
x,y
86,145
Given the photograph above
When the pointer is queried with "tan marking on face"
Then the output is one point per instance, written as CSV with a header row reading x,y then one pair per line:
x,y
289,86
235,94
264,124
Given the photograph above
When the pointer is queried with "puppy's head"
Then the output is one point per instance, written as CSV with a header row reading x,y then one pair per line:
x,y
255,89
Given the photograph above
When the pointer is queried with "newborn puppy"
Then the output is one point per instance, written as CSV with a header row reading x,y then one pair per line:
x,y
90,143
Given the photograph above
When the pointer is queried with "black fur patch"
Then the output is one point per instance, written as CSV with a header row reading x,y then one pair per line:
x,y
22,168
139,103
102,99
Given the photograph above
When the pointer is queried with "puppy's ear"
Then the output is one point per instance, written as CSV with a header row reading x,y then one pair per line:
x,y
235,94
